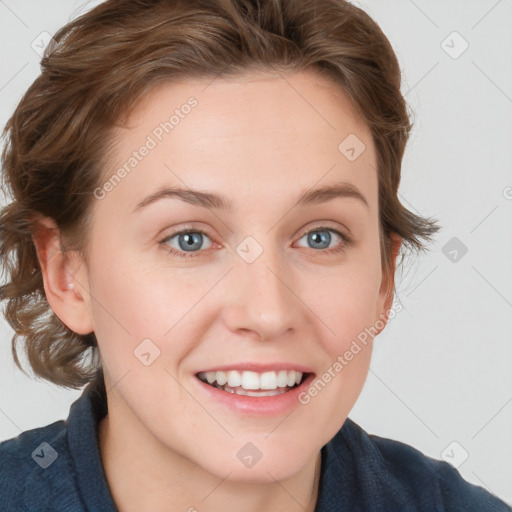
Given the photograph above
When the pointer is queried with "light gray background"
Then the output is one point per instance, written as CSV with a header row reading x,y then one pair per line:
x,y
441,370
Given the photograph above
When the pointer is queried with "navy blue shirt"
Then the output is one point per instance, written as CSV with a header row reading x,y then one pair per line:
x,y
58,468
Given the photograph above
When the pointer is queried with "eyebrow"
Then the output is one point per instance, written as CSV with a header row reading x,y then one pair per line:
x,y
219,201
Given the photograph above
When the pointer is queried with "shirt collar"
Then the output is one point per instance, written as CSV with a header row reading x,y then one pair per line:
x,y
83,421
87,412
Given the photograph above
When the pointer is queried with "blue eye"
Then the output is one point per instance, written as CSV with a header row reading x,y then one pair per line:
x,y
190,241
320,238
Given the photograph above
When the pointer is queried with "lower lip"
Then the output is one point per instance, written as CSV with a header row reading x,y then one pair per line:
x,y
257,405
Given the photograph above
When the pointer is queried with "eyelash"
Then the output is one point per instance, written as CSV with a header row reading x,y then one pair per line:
x,y
346,241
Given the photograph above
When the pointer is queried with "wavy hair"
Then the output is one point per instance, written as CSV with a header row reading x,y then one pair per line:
x,y
93,73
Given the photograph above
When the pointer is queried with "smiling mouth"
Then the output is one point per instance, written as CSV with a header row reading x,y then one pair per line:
x,y
252,386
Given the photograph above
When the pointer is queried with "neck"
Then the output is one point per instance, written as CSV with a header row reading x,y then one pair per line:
x,y
145,475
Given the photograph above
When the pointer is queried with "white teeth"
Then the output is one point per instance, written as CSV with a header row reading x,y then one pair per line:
x,y
222,378
252,380
282,378
241,391
268,380
234,379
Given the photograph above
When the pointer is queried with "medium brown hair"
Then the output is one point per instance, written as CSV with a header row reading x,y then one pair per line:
x,y
57,140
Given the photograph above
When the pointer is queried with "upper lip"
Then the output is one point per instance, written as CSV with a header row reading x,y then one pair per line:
x,y
259,367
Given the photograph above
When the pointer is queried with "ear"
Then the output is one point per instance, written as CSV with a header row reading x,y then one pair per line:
x,y
63,274
386,291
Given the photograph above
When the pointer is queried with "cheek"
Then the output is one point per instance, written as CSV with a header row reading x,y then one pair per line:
x,y
346,299
138,293
135,301
348,304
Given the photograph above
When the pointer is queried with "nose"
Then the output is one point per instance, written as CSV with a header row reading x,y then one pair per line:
x,y
261,297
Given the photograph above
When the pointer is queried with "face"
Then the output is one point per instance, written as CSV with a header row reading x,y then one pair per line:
x,y
265,279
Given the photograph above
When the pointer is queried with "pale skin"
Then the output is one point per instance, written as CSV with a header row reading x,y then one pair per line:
x,y
256,140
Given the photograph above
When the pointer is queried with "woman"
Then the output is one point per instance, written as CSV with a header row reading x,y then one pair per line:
x,y
205,203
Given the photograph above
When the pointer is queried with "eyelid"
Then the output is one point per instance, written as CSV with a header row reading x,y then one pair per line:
x,y
319,225
346,239
316,225
187,229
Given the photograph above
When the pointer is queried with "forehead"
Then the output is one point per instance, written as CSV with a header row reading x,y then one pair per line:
x,y
249,134
265,102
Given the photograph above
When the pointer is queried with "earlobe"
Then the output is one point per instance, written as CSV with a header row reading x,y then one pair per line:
x,y
62,272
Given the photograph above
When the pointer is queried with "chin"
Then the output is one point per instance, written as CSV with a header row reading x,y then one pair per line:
x,y
253,466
